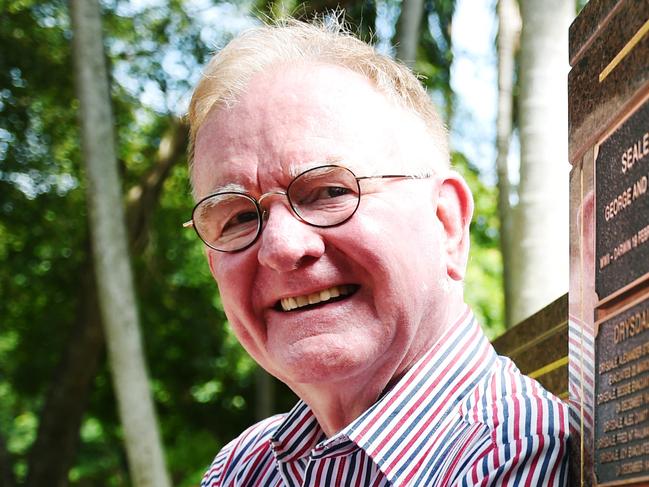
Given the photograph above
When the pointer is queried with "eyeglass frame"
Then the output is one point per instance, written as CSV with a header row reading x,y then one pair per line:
x,y
263,214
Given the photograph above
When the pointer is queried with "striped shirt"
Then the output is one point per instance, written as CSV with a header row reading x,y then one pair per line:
x,y
461,416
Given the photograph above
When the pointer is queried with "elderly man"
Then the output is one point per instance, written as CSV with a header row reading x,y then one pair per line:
x,y
338,236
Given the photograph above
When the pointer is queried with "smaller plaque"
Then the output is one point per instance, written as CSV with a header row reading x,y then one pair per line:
x,y
622,397
622,204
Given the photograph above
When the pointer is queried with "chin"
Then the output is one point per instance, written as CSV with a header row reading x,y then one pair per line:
x,y
321,366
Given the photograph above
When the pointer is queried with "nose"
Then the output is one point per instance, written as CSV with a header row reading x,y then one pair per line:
x,y
286,242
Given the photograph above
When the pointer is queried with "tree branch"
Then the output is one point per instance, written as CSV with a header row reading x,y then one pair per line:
x,y
143,197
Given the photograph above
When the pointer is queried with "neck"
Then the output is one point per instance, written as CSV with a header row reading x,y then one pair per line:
x,y
335,406
338,403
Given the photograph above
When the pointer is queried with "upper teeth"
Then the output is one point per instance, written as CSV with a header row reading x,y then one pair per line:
x,y
314,298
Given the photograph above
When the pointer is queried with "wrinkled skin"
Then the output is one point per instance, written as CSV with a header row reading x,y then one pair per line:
x,y
405,248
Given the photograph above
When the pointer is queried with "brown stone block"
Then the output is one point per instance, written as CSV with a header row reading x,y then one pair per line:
x,y
556,381
609,74
585,27
535,329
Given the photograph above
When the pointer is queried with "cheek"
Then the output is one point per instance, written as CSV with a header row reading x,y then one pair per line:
x,y
396,237
234,275
404,256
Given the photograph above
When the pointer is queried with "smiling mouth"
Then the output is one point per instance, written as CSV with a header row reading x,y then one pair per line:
x,y
334,293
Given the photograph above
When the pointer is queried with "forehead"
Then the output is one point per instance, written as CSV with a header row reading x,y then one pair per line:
x,y
291,118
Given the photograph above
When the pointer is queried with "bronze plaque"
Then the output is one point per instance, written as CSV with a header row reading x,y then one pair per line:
x,y
622,203
622,396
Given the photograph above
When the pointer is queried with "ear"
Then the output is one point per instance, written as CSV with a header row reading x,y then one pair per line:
x,y
454,211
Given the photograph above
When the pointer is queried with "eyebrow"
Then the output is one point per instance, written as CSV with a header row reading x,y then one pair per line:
x,y
294,170
228,188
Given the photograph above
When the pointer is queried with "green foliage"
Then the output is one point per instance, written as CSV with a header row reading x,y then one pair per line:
x,y
42,224
435,56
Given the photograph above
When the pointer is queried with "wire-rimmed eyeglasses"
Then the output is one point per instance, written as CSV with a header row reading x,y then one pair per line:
x,y
323,196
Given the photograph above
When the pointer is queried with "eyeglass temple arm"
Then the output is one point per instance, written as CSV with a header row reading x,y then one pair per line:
x,y
188,224
387,176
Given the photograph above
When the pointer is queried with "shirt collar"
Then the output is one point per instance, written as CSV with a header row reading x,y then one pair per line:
x,y
297,435
405,424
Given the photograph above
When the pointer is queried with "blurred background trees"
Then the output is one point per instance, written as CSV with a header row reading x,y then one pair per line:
x,y
539,265
58,416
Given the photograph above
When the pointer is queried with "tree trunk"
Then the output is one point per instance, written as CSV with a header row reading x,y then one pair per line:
x,y
540,270
408,27
110,253
509,26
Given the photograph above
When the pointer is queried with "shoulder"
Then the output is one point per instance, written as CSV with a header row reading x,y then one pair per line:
x,y
526,428
247,459
510,401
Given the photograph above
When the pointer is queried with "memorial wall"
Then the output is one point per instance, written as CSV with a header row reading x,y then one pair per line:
x,y
609,243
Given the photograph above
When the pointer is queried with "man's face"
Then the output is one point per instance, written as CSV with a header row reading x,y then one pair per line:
x,y
390,258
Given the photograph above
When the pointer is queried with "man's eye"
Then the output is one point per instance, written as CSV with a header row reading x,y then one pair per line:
x,y
332,192
321,194
240,220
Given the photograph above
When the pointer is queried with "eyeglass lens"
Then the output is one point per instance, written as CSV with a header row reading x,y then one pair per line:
x,y
227,221
323,197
